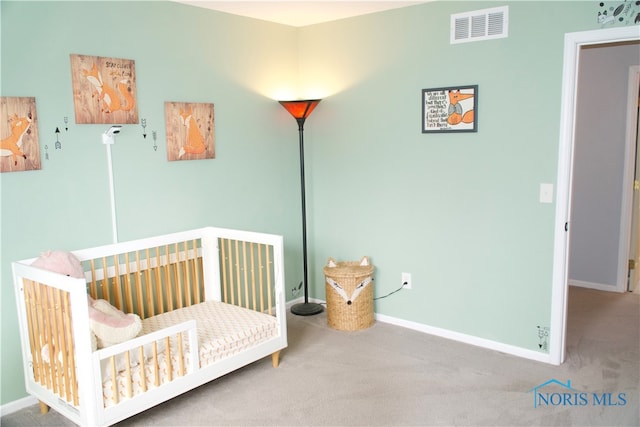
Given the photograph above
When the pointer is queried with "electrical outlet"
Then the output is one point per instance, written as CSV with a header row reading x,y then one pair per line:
x,y
406,280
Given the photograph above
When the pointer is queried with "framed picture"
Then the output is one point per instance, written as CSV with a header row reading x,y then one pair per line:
x,y
19,141
190,131
450,109
104,90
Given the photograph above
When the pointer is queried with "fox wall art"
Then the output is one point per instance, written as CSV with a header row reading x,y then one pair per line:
x,y
450,109
104,90
19,146
190,131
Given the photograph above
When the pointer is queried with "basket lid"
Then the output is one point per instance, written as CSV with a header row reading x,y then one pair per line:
x,y
348,268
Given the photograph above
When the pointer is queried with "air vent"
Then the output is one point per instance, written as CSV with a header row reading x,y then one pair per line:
x,y
485,24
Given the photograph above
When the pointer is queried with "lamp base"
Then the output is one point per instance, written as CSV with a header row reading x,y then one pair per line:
x,y
306,309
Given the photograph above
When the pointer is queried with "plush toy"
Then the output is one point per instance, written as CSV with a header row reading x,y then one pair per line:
x,y
108,324
60,262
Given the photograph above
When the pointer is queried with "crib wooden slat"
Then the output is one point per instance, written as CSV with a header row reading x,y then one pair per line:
x,y
180,356
177,276
117,291
232,280
236,286
149,303
185,274
55,346
190,269
253,276
45,336
143,370
196,273
229,266
167,280
114,379
223,268
60,348
106,292
111,284
128,293
28,308
261,273
244,288
158,283
155,367
39,335
128,379
168,361
34,331
269,285
138,286
68,326
93,289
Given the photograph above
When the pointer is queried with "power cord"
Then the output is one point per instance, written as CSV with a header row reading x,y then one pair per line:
x,y
392,292
383,296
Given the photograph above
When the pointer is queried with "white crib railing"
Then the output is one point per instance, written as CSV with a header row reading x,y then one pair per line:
x,y
147,277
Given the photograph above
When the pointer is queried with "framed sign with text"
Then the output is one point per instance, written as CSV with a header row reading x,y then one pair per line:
x,y
450,109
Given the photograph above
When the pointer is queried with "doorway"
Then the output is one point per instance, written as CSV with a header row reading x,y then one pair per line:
x,y
633,281
574,42
603,166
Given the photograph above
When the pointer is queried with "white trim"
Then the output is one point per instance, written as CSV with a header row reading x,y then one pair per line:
x,y
593,285
466,339
572,44
626,219
17,405
452,335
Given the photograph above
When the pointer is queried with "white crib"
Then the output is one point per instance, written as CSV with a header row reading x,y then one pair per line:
x,y
211,301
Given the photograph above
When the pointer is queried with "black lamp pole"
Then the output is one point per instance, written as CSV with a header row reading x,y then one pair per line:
x,y
300,110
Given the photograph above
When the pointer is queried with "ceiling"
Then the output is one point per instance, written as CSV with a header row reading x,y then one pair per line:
x,y
300,13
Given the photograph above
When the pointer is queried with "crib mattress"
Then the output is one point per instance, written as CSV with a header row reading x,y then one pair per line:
x,y
223,330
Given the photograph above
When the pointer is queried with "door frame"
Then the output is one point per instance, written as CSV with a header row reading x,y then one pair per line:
x,y
559,288
630,195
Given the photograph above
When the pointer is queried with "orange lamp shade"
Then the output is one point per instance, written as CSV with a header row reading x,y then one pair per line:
x,y
300,109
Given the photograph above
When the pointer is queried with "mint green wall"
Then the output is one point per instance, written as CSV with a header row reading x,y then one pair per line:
x,y
459,212
181,53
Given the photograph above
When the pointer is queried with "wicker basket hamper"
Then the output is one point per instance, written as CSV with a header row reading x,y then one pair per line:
x,y
349,294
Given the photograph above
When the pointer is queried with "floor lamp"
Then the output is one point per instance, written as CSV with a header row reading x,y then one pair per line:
x,y
300,110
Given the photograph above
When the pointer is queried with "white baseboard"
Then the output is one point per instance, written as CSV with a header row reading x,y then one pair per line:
x,y
467,339
17,405
455,336
593,285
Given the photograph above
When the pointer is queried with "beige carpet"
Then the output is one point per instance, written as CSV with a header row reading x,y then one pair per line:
x,y
387,376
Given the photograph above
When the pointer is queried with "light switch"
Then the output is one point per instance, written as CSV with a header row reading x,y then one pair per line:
x,y
546,193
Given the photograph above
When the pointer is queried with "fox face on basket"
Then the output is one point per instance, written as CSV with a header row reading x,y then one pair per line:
x,y
348,280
